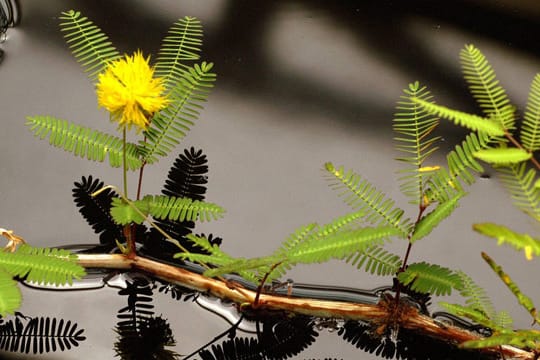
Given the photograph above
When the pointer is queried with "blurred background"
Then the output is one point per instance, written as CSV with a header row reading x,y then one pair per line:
x,y
299,83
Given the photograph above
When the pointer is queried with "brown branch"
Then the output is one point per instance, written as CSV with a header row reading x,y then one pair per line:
x,y
385,312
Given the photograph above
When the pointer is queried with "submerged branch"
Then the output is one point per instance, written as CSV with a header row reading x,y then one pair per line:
x,y
383,313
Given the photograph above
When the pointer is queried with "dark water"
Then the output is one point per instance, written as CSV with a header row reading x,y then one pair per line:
x,y
300,83
142,331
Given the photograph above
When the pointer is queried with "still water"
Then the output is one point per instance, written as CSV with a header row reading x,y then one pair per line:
x,y
299,83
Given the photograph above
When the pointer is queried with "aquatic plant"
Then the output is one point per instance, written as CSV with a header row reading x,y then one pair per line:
x,y
153,233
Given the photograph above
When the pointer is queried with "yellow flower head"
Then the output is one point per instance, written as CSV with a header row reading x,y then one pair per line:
x,y
128,90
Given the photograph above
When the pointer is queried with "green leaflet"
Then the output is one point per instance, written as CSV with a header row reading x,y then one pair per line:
x,y
470,121
376,260
42,265
313,231
124,213
11,298
246,267
461,158
504,235
485,88
338,245
475,297
302,234
221,259
430,278
308,245
478,307
475,315
521,183
431,220
182,44
84,142
530,128
523,299
503,320
171,124
361,195
90,46
523,339
500,156
164,207
413,126
441,187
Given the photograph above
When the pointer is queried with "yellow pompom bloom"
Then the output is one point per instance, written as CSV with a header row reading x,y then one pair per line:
x,y
128,90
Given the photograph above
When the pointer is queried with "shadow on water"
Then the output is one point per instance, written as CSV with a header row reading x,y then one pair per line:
x,y
254,333
382,27
379,25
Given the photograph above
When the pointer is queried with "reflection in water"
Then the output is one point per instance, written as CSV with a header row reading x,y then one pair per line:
x,y
142,334
253,333
39,335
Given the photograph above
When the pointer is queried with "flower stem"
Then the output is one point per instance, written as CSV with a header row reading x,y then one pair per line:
x,y
128,229
124,160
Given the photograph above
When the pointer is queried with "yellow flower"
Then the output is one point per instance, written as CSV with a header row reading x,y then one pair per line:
x,y
128,90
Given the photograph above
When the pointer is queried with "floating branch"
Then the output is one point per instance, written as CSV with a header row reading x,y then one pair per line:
x,y
373,313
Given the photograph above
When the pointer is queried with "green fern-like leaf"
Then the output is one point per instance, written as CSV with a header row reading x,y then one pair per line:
x,y
300,235
503,156
339,245
430,279
523,339
250,269
523,299
42,265
181,45
376,260
90,46
476,315
84,142
10,295
311,232
361,195
217,257
313,249
503,320
530,129
485,88
164,207
475,296
441,187
171,124
461,158
413,125
521,183
469,121
504,235
431,220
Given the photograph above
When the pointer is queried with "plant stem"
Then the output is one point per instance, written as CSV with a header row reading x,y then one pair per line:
x,y
141,172
128,229
377,314
519,146
124,161
139,184
421,209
